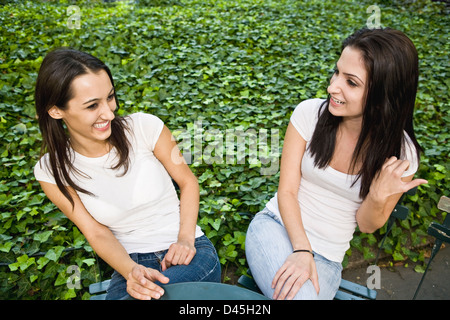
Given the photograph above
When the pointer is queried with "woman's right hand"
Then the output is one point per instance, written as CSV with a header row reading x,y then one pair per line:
x,y
296,270
140,283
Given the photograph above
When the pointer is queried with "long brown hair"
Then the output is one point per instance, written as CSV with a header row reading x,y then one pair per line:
x,y
53,88
392,67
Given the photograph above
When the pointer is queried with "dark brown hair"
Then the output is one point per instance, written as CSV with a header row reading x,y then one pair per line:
x,y
53,88
391,63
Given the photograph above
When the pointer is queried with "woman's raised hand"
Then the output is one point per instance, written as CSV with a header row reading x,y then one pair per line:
x,y
389,180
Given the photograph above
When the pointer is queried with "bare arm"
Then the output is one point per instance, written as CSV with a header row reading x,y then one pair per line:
x,y
298,267
167,152
106,244
290,175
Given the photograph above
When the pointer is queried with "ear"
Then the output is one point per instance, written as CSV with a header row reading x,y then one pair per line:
x,y
55,112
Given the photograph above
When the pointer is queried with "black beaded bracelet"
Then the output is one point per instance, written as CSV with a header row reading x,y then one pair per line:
x,y
300,250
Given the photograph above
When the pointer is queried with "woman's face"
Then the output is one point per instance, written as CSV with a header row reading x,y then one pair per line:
x,y
89,113
348,85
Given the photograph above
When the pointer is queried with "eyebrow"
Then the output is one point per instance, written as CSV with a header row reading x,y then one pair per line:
x,y
95,99
349,74
353,75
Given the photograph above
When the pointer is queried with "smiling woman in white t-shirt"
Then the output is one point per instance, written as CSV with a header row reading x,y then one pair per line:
x,y
112,176
346,161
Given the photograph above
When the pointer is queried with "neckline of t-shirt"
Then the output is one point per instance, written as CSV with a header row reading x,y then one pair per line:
x,y
92,159
337,172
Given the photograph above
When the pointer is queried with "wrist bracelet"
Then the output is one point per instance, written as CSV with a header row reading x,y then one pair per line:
x,y
300,250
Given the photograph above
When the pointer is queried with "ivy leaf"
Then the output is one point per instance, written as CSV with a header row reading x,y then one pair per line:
x,y
23,262
228,64
61,279
5,247
54,253
42,236
398,256
42,261
216,224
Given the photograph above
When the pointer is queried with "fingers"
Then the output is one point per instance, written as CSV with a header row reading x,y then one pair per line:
x,y
279,280
291,277
277,276
165,263
178,254
288,284
393,170
396,165
389,162
415,183
315,281
289,294
140,283
155,275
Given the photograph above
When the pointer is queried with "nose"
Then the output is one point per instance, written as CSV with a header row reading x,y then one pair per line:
x,y
335,86
107,111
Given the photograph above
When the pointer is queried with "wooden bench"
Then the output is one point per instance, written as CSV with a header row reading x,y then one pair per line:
x,y
98,290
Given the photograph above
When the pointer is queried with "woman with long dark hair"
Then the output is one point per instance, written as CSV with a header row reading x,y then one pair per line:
x,y
346,161
112,176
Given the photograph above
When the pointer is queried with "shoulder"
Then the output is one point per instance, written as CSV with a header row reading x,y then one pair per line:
x,y
409,152
305,115
42,170
310,104
146,127
308,108
140,118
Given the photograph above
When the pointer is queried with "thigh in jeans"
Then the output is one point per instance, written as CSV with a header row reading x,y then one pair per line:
x,y
267,247
205,266
330,274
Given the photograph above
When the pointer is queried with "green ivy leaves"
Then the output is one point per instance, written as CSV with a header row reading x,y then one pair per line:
x,y
227,63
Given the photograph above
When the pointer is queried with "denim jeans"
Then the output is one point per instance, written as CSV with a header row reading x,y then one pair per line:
x,y
205,266
267,246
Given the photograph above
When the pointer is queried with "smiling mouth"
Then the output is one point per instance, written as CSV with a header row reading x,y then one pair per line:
x,y
101,125
337,101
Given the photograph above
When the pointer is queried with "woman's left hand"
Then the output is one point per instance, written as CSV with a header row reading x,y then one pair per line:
x,y
181,252
385,191
389,180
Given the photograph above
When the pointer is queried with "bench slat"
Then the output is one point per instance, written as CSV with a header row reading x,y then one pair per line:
x,y
99,287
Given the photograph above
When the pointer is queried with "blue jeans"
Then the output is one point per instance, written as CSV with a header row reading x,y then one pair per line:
x,y
267,246
205,266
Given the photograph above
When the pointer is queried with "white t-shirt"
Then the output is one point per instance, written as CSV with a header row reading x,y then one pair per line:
x,y
328,202
141,208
